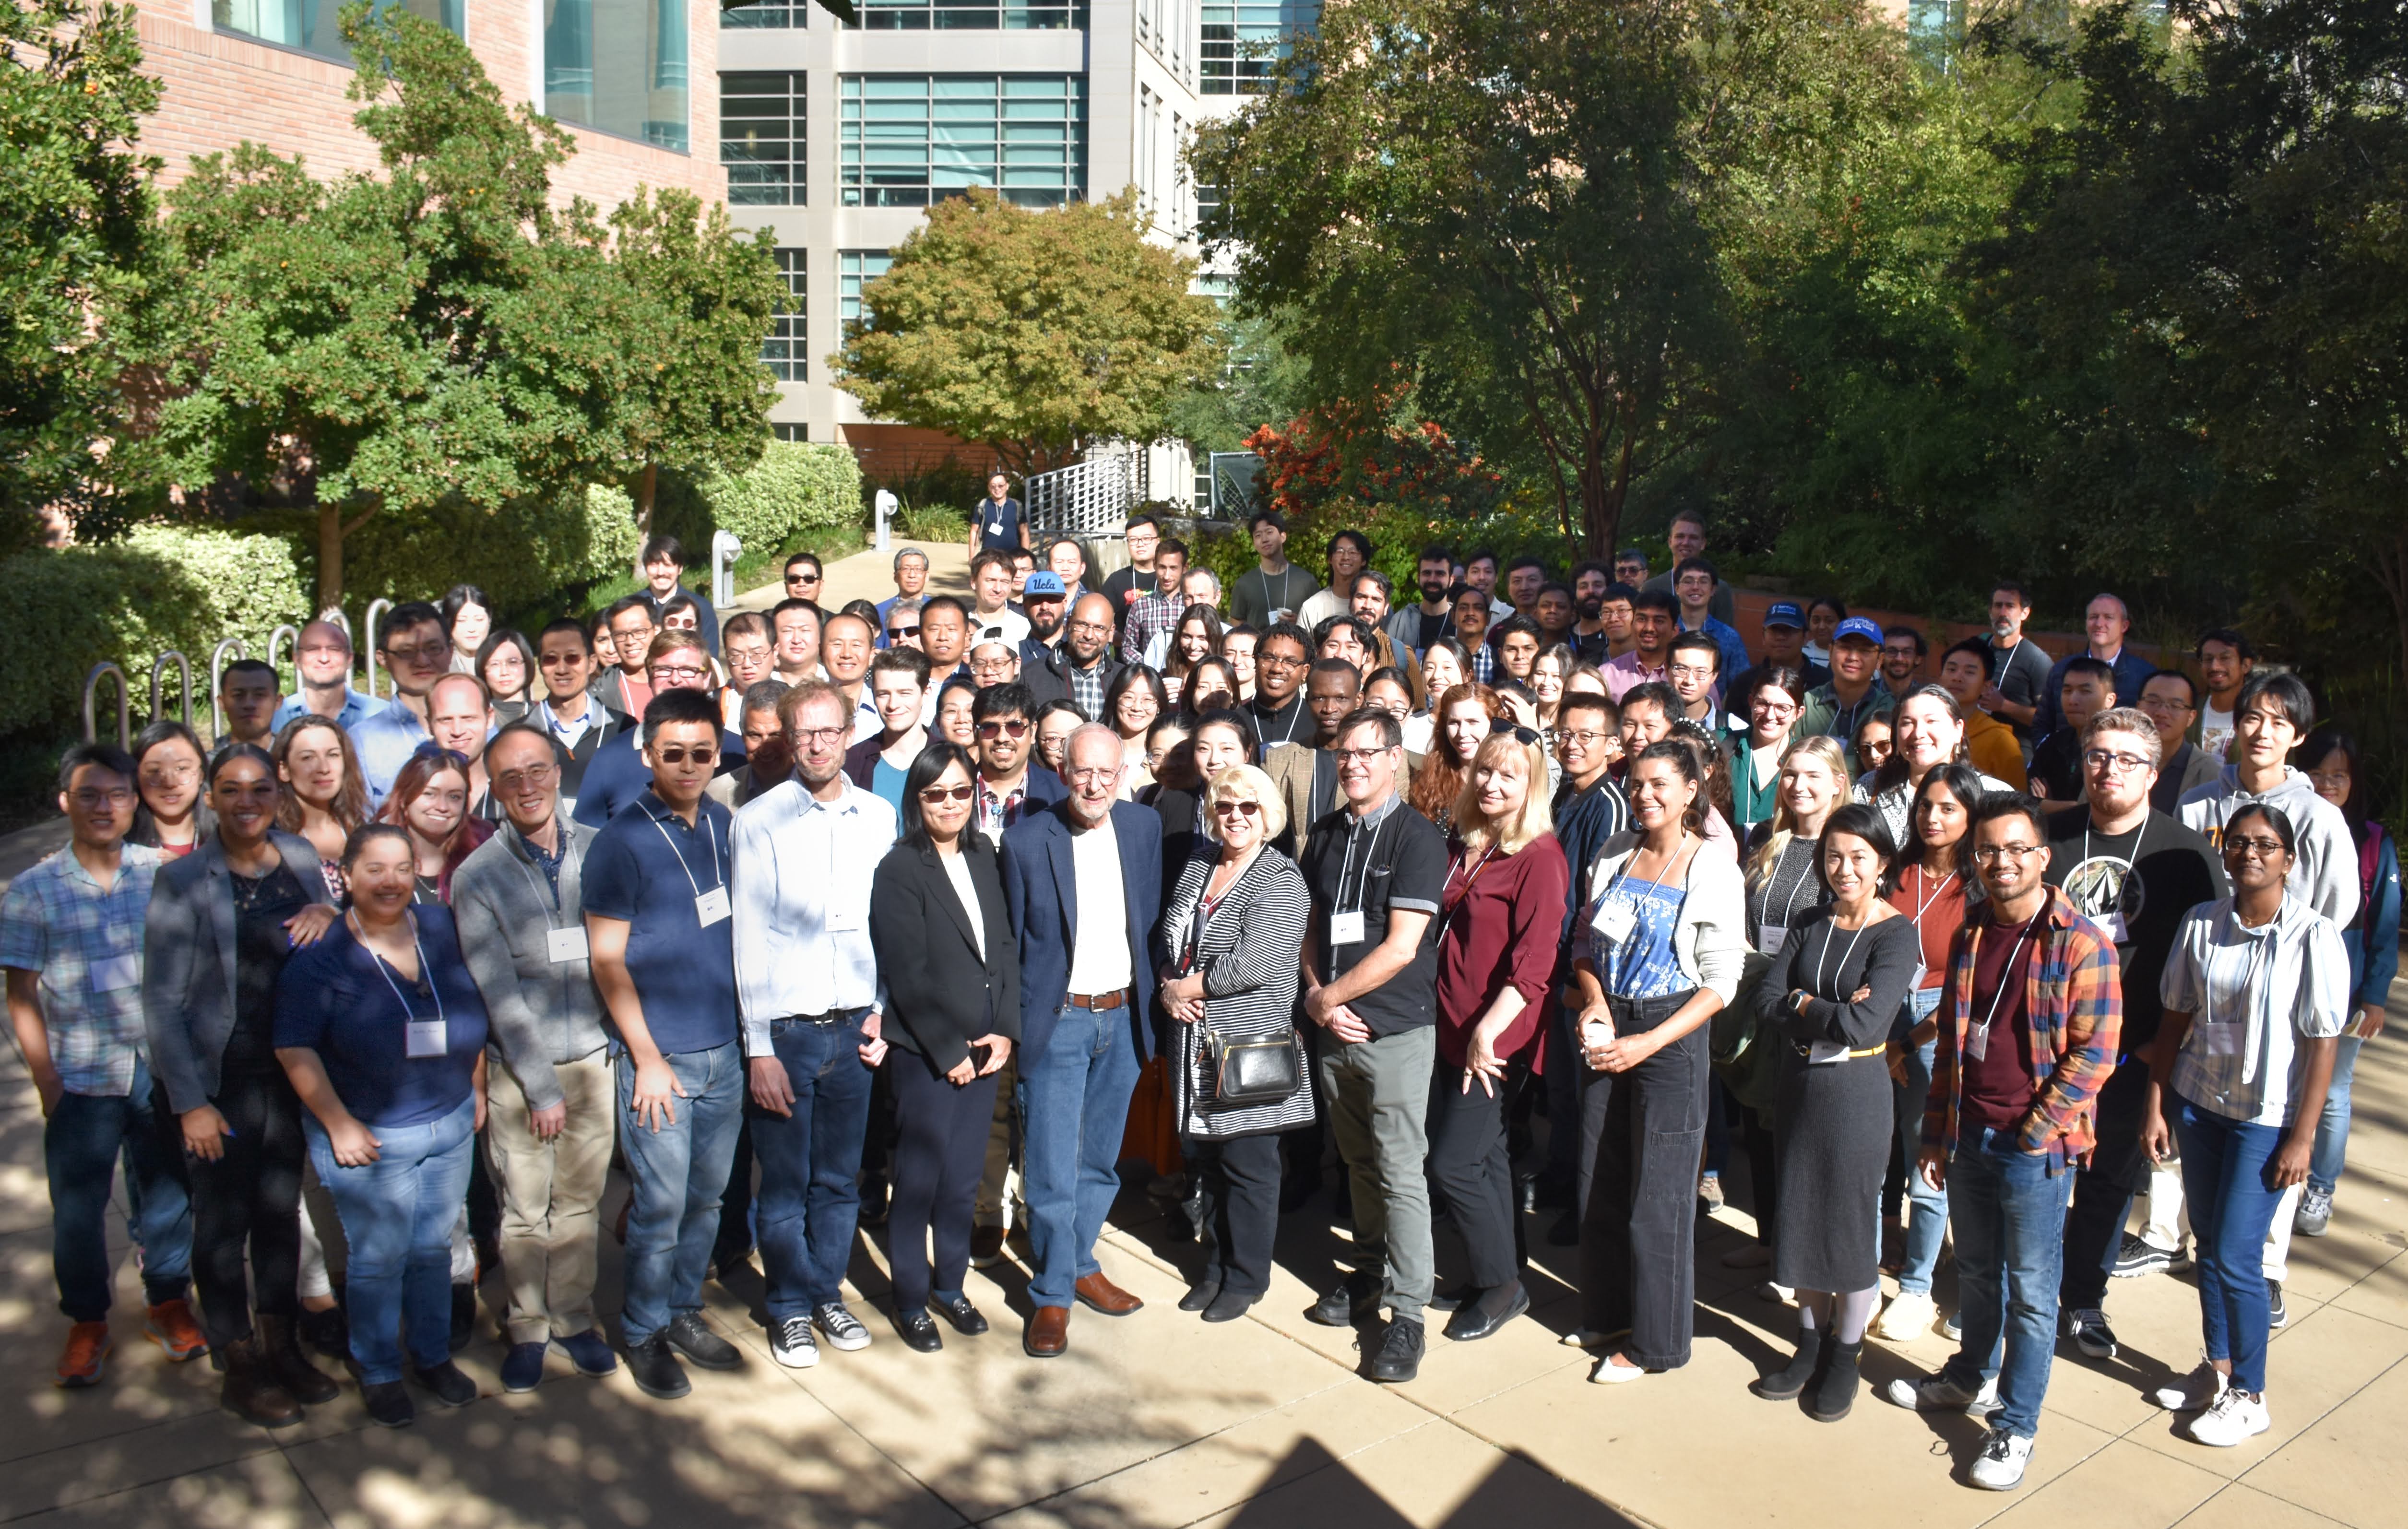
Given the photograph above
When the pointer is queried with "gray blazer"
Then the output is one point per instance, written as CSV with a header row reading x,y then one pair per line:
x,y
543,1012
188,963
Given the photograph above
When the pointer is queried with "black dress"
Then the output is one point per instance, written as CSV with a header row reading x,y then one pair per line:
x,y
1835,1115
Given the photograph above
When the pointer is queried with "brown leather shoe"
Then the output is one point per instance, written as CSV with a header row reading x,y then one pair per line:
x,y
279,1348
1049,1333
1102,1294
251,1392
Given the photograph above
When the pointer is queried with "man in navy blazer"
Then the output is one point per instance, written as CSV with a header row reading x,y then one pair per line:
x,y
1082,879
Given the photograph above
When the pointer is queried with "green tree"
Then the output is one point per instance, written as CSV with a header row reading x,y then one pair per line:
x,y
1035,332
1261,382
697,298
1546,206
385,344
75,250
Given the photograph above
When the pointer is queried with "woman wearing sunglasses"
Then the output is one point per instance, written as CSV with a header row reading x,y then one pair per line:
x,y
1226,949
2257,992
938,921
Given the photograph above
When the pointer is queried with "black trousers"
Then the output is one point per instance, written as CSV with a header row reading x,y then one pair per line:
x,y
248,1200
1641,1131
939,1152
1241,1183
877,1137
2102,1193
1472,1170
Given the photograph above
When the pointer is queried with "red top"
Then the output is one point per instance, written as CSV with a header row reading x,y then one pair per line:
x,y
1938,906
1504,918
1998,1089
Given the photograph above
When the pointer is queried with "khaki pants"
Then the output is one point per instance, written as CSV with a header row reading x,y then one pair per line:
x,y
551,1192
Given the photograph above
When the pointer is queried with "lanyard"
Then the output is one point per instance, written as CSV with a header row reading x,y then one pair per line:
x,y
1789,899
425,973
1821,976
1293,718
570,859
1621,875
1923,904
1346,864
702,820
2006,975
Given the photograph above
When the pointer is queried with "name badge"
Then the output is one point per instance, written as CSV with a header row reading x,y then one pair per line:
x,y
1346,928
1615,920
711,907
1977,1042
2212,1037
844,919
565,945
425,1040
1769,937
115,973
1822,1051
995,528
2112,922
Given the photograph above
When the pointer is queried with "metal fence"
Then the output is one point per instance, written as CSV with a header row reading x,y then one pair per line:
x,y
1089,498
283,651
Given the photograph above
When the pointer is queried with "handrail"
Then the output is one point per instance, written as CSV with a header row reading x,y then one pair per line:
x,y
159,675
377,608
287,632
217,682
124,704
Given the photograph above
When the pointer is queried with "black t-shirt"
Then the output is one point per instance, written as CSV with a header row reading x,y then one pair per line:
x,y
1124,585
1290,724
261,948
1431,627
2177,870
1397,861
2056,762
2021,678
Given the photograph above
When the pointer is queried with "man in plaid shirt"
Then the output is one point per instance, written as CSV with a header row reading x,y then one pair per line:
x,y
71,942
2029,1024
1159,610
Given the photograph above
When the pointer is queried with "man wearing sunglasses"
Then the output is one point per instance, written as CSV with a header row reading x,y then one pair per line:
x,y
805,579
899,622
1003,720
664,568
575,718
910,583
617,775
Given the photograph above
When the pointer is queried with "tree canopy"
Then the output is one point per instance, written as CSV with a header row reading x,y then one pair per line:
x,y
1035,332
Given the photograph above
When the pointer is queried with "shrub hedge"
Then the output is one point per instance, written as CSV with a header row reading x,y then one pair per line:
x,y
796,486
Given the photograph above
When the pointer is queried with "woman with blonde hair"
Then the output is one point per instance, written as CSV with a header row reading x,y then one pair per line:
x,y
1464,716
1502,919
1226,950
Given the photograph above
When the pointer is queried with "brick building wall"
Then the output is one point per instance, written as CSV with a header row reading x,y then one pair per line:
x,y
223,88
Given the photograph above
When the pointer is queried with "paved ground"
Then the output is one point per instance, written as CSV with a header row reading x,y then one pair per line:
x,y
1156,1420
870,576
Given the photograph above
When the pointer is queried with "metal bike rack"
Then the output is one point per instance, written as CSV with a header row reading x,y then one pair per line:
x,y
217,682
124,704
158,677
334,614
368,620
291,634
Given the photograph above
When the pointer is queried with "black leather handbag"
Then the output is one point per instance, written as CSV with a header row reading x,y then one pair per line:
x,y
1255,1070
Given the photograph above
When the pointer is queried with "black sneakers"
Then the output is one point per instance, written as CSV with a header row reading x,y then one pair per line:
x,y
1357,1297
1399,1358
655,1370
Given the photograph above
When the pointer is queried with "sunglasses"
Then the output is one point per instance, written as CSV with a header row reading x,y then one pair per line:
x,y
1017,729
947,793
802,578
702,754
897,632
1521,735
1242,809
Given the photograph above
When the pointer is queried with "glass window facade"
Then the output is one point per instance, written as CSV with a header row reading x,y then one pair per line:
x,y
761,128
970,14
767,14
856,269
1243,38
912,140
315,26
790,432
787,349
618,66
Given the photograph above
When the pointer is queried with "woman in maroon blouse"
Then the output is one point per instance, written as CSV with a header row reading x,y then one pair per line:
x,y
1504,915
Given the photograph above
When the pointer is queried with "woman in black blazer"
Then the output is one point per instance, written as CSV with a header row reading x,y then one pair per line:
x,y
952,970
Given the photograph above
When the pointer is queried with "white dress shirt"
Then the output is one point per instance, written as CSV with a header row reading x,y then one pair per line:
x,y
799,886
1100,960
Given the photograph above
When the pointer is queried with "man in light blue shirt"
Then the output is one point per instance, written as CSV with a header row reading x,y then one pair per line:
x,y
324,656
417,652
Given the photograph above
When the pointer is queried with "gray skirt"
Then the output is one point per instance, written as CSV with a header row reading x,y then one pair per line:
x,y
1832,1140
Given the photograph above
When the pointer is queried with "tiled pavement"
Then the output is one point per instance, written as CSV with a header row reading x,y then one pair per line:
x,y
1156,1420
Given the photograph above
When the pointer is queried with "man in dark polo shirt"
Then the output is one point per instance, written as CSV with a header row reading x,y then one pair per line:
x,y
664,957
1377,869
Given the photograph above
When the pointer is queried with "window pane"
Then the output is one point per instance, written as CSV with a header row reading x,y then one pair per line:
x,y
1242,38
761,138
909,140
970,14
855,268
786,349
618,65
767,14
315,26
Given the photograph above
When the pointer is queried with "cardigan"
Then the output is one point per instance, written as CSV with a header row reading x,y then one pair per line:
x,y
1247,953
1710,942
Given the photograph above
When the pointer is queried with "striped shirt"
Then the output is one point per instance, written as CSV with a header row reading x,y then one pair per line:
x,y
86,944
2253,996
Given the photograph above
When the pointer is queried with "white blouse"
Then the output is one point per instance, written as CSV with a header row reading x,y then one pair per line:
x,y
2253,994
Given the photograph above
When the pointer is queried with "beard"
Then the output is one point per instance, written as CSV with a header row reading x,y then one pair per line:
x,y
1593,607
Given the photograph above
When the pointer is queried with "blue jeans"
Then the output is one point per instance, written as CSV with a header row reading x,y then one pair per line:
x,y
398,1216
804,1212
2224,1169
1926,1223
1074,1108
676,1175
81,1143
2332,1127
2009,1211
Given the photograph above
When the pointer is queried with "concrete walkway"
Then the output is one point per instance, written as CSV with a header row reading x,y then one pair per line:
x,y
870,576
1158,1420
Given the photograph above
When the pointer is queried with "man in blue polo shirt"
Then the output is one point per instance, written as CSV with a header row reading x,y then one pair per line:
x,y
324,657
417,652
664,956
618,773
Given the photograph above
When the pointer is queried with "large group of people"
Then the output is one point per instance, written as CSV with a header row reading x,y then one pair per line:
x,y
922,915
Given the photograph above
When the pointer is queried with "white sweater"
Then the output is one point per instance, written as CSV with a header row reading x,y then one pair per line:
x,y
1710,941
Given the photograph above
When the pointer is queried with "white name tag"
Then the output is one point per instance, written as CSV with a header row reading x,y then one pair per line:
x,y
565,945
2214,1038
995,528
425,1040
1977,1041
1346,928
2112,922
843,918
1769,937
1615,920
1821,1051
115,973
711,907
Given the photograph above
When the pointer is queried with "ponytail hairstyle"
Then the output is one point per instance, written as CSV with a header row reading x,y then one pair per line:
x,y
1683,757
1822,747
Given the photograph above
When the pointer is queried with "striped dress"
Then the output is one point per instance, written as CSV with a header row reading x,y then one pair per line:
x,y
1247,947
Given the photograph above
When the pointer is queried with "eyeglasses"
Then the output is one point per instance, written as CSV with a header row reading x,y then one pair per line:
x,y
2107,758
820,734
2263,849
1990,854
1013,729
1691,671
1094,772
934,795
1356,756
91,799
2325,780
1091,626
898,633
1521,735
701,753
533,775
1241,809
680,672
1587,737
1277,661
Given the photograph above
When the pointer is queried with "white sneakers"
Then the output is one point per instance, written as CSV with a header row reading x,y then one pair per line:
x,y
2233,1416
1909,1316
1939,1393
2000,1466
2193,1391
1608,1373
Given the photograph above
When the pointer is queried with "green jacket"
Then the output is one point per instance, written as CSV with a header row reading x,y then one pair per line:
x,y
1824,714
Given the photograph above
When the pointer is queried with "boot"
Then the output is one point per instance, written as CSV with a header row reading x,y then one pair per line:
x,y
279,1341
1787,1382
1835,1389
251,1392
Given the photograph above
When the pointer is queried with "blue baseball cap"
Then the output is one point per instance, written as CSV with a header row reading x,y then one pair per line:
x,y
1043,581
1858,627
1786,613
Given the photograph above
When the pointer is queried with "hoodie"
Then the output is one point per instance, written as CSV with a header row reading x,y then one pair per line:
x,y
2325,872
